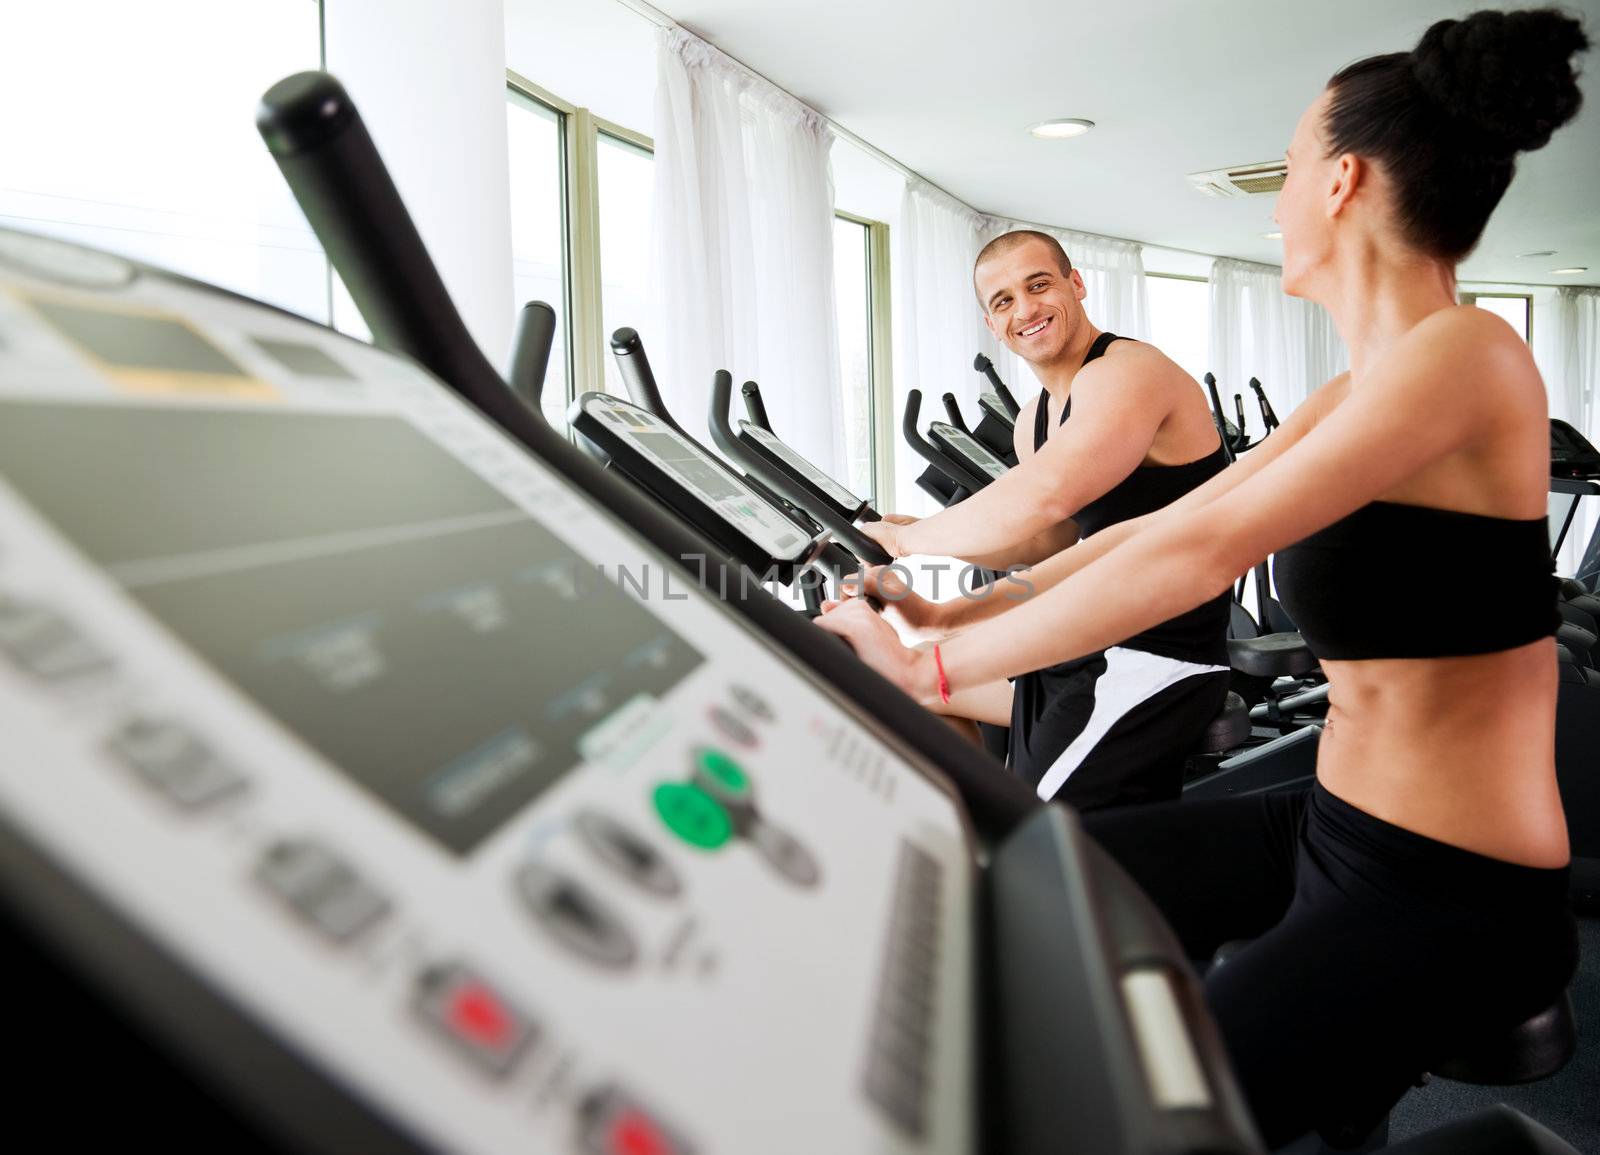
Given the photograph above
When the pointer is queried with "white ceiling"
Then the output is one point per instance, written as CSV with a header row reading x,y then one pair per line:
x,y
947,87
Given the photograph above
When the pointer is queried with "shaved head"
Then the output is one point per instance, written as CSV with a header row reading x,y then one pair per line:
x,y
1005,242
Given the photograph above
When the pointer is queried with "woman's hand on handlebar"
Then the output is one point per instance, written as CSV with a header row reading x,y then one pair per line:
x,y
886,532
873,640
881,582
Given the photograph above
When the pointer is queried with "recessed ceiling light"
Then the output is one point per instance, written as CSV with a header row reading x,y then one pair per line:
x,y
1273,236
1573,269
1060,129
1539,253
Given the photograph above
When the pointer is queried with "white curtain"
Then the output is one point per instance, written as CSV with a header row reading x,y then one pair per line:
x,y
743,268
1257,330
1567,348
938,325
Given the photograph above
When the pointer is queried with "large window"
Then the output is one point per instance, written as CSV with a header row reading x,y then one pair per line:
x,y
538,244
1180,320
626,175
852,295
129,127
1516,308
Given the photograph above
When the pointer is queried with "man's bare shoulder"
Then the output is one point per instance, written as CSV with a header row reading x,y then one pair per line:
x,y
1133,368
1029,407
1022,431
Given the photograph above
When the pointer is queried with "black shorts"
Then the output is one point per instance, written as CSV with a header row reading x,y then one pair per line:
x,y
1375,951
1113,728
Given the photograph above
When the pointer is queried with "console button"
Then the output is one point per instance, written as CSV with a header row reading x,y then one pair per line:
x,y
627,853
732,727
44,644
693,815
752,703
785,853
171,759
611,1122
470,1014
575,917
321,887
722,778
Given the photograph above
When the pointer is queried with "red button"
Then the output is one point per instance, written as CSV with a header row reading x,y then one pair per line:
x,y
632,1133
477,1015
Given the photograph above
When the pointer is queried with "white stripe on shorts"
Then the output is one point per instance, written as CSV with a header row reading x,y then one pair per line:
x,y
1131,677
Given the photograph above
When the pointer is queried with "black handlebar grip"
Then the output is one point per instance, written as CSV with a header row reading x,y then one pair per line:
x,y
1267,415
985,366
637,376
719,418
530,351
908,420
754,407
952,409
321,145
1217,417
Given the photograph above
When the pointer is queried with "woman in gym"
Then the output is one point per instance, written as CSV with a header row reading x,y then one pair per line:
x,y
1415,897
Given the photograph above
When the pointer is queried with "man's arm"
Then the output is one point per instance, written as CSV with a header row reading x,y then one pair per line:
x,y
1011,591
1117,409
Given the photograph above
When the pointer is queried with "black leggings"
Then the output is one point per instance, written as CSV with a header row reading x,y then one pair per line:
x,y
1376,951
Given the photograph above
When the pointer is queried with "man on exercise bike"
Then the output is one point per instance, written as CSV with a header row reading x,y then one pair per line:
x,y
1113,727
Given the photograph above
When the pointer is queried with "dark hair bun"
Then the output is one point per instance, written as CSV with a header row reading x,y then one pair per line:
x,y
1505,76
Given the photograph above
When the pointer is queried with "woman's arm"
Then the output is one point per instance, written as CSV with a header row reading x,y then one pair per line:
x,y
989,601
1418,407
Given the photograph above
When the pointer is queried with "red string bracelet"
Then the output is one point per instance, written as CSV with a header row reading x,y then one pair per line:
x,y
944,682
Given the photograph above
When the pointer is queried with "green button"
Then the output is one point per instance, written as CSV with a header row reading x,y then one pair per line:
x,y
693,815
723,771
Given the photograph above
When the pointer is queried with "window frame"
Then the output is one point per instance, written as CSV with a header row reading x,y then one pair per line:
x,y
581,313
1192,278
1470,297
527,93
880,360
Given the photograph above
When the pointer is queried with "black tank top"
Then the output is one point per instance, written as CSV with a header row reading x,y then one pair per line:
x,y
1200,635
1348,586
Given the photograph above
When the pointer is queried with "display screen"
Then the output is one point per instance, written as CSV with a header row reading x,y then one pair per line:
x,y
365,588
1559,506
136,340
990,400
970,449
718,487
837,493
303,360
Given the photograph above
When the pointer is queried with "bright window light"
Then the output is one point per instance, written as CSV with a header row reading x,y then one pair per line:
x,y
626,175
533,145
131,127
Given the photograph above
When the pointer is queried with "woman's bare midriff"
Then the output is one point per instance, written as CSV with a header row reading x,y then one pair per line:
x,y
1456,749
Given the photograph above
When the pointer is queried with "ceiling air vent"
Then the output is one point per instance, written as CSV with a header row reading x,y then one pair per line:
x,y
1241,180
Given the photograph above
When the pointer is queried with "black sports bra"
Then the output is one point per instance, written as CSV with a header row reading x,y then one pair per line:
x,y
1349,587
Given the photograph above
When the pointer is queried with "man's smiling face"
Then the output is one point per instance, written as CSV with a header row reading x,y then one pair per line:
x,y
1029,303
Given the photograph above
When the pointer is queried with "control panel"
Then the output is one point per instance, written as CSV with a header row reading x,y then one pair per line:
x,y
456,787
778,448
714,486
968,447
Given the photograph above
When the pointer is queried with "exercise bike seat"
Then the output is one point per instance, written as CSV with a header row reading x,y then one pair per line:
x,y
1282,655
1228,729
1532,1050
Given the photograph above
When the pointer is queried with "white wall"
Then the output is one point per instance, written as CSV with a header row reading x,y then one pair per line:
x,y
429,79
596,54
